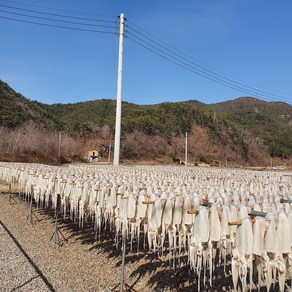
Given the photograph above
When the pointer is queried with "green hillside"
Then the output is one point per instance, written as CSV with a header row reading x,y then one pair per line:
x,y
277,110
270,121
165,119
17,110
232,125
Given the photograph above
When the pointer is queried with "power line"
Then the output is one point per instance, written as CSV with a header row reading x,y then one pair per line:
x,y
218,78
200,69
58,15
204,70
255,87
61,10
60,19
193,69
183,54
186,66
56,20
145,40
56,26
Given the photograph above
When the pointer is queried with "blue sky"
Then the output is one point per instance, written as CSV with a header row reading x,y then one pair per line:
x,y
249,40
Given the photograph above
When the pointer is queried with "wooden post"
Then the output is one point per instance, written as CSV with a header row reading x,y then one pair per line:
x,y
148,202
193,212
235,223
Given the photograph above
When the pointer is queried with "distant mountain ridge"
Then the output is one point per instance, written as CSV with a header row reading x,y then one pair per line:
x,y
238,124
16,110
275,109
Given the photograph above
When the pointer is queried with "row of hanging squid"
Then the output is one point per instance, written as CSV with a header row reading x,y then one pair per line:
x,y
217,218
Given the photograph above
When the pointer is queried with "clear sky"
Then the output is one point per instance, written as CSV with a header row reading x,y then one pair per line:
x,y
250,41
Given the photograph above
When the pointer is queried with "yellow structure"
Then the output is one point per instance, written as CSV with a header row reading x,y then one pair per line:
x,y
93,155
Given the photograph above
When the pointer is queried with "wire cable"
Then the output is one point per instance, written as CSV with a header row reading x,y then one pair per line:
x,y
56,20
184,66
56,26
200,70
59,15
207,70
217,77
255,87
61,10
143,39
191,68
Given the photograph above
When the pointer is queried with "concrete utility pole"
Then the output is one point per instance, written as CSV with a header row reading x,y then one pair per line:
x,y
119,93
186,150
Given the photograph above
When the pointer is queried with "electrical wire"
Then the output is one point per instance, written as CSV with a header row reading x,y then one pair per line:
x,y
221,81
56,20
204,65
183,54
59,18
58,15
56,26
185,65
145,40
172,60
174,57
205,70
61,10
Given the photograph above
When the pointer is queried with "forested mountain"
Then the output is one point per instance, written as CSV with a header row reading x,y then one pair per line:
x,y
244,129
277,110
270,121
16,110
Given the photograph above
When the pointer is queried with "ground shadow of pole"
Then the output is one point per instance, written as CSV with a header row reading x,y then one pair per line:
x,y
38,271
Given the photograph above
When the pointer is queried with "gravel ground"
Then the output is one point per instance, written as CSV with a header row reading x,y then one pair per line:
x,y
31,261
13,278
